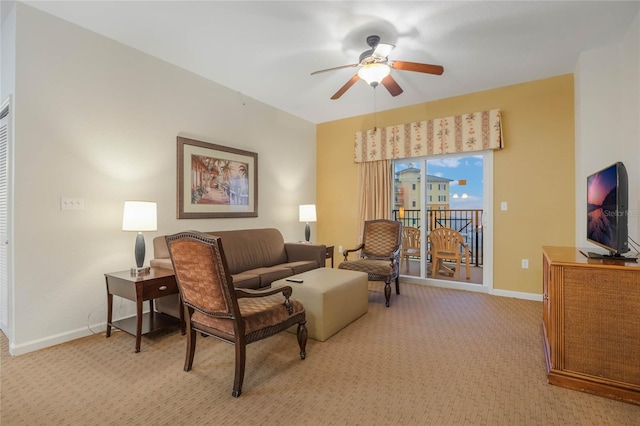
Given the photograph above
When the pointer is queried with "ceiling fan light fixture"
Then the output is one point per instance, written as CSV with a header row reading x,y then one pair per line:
x,y
375,68
374,73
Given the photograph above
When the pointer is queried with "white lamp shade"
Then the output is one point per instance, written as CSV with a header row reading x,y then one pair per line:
x,y
307,213
374,73
140,216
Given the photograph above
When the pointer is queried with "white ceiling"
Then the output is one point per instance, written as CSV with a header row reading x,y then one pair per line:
x,y
266,50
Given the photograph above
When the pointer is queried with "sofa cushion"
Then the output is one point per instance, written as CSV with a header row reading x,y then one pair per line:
x,y
270,274
246,280
252,248
301,266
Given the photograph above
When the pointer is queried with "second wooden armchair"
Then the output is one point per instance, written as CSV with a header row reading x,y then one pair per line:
x,y
379,254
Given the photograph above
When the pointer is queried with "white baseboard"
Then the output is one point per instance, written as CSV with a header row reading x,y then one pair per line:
x,y
478,288
517,295
57,339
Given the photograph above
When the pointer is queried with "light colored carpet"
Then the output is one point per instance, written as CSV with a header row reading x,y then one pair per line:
x,y
435,357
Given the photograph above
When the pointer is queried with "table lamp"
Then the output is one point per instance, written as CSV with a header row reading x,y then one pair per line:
x,y
140,216
307,214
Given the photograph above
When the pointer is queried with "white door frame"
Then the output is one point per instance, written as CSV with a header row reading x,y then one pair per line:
x,y
487,230
7,297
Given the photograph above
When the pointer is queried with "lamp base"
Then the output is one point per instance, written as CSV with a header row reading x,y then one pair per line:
x,y
307,232
140,271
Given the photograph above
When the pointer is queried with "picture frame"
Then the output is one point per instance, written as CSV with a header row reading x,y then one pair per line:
x,y
216,181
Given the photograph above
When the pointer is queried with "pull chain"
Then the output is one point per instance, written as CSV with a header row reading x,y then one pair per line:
x,y
375,110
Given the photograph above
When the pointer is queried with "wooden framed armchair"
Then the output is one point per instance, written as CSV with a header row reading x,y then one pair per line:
x,y
213,307
379,254
448,244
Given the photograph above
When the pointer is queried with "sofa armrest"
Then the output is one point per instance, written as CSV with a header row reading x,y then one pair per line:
x,y
303,251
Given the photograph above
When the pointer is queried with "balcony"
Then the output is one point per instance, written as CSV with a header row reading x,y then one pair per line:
x,y
467,222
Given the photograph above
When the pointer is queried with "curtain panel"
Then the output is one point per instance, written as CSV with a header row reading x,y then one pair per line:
x,y
375,191
475,131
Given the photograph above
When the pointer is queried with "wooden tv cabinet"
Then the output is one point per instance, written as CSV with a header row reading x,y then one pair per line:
x,y
591,324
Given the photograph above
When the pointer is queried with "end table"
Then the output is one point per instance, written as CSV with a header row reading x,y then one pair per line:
x,y
157,283
330,254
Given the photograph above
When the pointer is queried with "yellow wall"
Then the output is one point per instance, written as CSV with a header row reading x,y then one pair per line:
x,y
534,173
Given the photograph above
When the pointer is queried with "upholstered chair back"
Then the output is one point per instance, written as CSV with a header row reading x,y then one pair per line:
x,y
202,275
381,238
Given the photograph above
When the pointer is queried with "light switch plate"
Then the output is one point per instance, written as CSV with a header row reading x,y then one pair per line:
x,y
71,203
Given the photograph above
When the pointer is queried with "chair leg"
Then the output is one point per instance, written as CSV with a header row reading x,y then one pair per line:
x,y
241,358
398,284
302,338
435,266
191,337
191,347
387,291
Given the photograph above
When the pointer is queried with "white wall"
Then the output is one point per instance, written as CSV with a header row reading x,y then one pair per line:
x,y
7,47
7,87
98,120
607,91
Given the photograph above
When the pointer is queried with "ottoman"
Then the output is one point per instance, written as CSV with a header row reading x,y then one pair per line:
x,y
332,298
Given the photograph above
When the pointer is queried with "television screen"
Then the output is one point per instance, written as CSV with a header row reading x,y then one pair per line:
x,y
607,195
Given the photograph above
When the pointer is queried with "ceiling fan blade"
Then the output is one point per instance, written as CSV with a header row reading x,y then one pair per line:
x,y
417,67
334,68
391,85
382,50
345,87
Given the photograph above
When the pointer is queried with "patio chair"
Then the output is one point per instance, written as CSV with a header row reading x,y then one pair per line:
x,y
448,245
410,244
379,254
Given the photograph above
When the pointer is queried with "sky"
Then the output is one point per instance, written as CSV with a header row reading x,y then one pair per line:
x,y
469,168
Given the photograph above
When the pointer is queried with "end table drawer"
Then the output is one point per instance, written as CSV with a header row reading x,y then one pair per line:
x,y
160,288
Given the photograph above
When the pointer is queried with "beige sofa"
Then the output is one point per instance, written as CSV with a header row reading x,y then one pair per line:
x,y
256,258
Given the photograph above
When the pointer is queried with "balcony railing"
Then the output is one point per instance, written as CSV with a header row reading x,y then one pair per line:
x,y
467,222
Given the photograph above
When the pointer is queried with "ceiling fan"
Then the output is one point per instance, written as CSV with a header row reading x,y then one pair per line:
x,y
375,68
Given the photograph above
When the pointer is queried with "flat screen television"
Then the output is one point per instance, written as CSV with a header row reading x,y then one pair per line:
x,y
608,210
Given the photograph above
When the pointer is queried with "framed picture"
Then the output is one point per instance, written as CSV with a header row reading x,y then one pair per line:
x,y
216,181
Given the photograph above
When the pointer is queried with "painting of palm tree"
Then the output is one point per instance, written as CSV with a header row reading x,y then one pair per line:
x,y
219,181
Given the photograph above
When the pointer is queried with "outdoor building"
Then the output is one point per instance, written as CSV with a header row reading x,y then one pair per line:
x,y
409,190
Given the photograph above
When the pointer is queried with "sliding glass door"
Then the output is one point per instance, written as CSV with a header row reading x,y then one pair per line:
x,y
451,191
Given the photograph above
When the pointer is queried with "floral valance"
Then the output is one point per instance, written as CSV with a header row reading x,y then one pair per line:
x,y
475,131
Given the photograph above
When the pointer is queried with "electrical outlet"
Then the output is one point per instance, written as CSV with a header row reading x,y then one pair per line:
x,y
71,203
503,206
339,249
525,263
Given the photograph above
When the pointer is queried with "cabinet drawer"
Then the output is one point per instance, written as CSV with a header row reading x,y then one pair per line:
x,y
159,288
